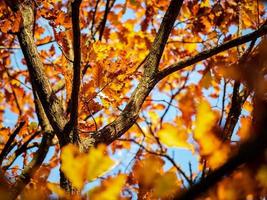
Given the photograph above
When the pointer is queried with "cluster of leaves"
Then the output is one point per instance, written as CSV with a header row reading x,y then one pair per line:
x,y
205,108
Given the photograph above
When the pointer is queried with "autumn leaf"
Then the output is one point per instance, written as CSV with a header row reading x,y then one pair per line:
x,y
205,134
205,119
153,165
98,162
151,177
262,175
206,80
248,106
74,165
80,167
187,107
173,136
166,185
5,26
109,189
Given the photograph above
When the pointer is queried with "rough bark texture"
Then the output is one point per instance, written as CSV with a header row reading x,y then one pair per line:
x,y
129,115
50,102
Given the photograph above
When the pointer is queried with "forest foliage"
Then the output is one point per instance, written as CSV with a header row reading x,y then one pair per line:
x,y
88,85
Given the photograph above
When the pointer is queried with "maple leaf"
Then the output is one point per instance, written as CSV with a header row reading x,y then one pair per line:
x,y
173,136
81,167
109,189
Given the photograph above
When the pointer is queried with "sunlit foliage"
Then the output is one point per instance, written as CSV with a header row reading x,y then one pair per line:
x,y
100,99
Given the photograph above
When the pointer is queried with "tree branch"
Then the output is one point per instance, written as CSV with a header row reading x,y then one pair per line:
x,y
247,152
211,52
103,24
10,140
161,155
76,81
21,149
130,113
24,178
237,100
49,100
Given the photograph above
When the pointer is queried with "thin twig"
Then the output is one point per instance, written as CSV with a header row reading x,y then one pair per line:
x,y
159,154
10,140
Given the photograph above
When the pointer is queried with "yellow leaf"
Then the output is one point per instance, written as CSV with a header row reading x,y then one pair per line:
x,y
206,80
80,167
205,3
109,189
208,144
166,185
191,47
204,120
219,156
98,162
101,50
262,176
248,106
145,171
153,116
173,136
186,13
74,165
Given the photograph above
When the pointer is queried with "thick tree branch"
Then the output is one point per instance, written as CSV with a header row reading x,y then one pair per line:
x,y
53,110
129,115
211,52
60,85
71,126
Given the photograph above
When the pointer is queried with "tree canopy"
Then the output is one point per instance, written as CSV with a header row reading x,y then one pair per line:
x,y
101,99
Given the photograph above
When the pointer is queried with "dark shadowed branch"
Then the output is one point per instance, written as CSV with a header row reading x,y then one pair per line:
x,y
21,149
238,99
25,176
72,124
247,152
104,21
10,140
